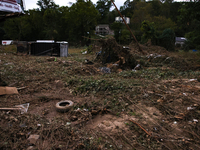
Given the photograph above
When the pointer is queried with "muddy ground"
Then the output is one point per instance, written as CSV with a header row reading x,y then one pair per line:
x,y
155,106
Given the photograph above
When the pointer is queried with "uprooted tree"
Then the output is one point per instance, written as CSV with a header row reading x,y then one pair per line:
x,y
112,52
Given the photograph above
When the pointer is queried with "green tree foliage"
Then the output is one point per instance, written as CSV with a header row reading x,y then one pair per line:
x,y
117,27
103,7
167,39
149,32
142,12
156,7
63,23
125,36
12,29
51,25
190,22
151,12
128,8
53,22
147,18
174,11
81,19
161,23
111,16
17,28
2,33
50,13
36,24
46,4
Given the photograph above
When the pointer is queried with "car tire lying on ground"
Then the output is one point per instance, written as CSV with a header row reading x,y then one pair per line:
x,y
64,106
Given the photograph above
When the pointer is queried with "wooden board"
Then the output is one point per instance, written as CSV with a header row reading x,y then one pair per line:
x,y
8,90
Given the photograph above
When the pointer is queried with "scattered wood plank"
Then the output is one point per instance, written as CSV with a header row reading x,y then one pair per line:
x,y
8,90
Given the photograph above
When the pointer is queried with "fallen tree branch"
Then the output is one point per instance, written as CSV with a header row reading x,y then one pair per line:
x,y
22,88
140,126
194,134
8,109
140,48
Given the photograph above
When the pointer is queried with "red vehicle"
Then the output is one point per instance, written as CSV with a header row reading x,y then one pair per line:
x,y
11,8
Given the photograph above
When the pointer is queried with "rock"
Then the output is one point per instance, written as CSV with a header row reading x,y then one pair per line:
x,y
51,59
105,70
155,114
31,148
94,112
13,118
159,100
137,67
119,70
33,138
74,118
59,84
88,62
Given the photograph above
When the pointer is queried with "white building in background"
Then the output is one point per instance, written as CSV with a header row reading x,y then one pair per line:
x,y
103,29
180,41
119,19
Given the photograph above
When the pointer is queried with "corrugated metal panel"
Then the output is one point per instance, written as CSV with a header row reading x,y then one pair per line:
x,y
63,49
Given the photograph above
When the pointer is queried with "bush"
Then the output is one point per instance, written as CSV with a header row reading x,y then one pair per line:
x,y
149,32
193,39
167,39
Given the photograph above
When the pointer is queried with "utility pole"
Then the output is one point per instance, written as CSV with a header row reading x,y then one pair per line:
x,y
128,28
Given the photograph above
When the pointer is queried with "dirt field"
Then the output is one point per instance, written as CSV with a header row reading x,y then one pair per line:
x,y
154,106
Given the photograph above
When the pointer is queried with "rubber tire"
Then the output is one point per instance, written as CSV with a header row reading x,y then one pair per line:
x,y
65,108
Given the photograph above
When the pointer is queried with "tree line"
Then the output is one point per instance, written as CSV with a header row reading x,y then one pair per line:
x,y
153,20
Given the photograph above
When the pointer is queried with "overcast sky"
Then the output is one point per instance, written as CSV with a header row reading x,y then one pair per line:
x,y
30,4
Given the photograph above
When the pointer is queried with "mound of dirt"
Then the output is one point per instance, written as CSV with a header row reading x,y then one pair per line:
x,y
147,48
112,52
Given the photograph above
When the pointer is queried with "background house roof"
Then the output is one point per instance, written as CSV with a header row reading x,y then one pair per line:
x,y
180,39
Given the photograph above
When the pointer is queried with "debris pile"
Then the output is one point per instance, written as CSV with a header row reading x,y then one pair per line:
x,y
112,52
153,104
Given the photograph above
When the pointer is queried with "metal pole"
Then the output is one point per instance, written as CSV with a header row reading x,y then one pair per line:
x,y
128,28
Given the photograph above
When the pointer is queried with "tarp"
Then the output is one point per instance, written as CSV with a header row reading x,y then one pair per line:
x,y
10,6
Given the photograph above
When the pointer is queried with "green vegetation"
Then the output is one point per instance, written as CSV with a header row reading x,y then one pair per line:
x,y
104,104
